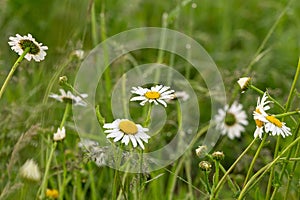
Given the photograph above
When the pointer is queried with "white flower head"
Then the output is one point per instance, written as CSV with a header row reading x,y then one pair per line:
x,y
156,94
231,120
30,171
127,131
60,134
20,43
272,124
68,97
182,95
261,106
78,54
244,83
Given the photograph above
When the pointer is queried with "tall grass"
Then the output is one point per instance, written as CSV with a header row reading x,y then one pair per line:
x,y
237,34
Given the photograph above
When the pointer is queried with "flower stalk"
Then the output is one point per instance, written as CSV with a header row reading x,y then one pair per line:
x,y
13,69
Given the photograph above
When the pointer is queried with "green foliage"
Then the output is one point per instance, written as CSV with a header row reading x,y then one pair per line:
x,y
231,32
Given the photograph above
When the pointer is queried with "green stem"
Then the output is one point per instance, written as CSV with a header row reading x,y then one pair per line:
x,y
100,118
270,181
162,45
207,182
290,97
148,117
271,98
249,173
45,178
94,25
285,164
172,182
13,69
216,175
287,106
107,75
231,168
177,168
44,183
92,181
66,114
294,166
262,46
232,185
258,175
287,114
259,52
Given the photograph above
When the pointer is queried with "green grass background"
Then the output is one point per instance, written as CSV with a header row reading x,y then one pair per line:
x,y
230,31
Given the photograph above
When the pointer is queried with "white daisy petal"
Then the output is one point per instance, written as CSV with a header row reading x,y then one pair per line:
x,y
162,102
126,131
138,98
140,142
125,139
119,137
133,140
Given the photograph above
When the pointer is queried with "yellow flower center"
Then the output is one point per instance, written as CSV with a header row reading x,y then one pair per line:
x,y
259,123
52,193
274,121
257,110
128,127
152,95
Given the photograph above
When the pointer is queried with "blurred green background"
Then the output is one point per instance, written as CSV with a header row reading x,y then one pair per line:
x,y
231,31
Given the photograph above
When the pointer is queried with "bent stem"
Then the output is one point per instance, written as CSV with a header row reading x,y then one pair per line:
x,y
262,92
54,145
254,159
221,182
13,69
258,175
45,178
287,106
285,165
216,175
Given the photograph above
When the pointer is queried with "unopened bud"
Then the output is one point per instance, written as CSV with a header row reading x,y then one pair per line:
x,y
201,151
244,83
63,80
218,155
205,166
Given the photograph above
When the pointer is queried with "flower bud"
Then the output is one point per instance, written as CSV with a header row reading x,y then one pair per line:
x,y
201,151
63,80
205,166
244,83
218,155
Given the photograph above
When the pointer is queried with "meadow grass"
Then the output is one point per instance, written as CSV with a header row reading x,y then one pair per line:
x,y
254,38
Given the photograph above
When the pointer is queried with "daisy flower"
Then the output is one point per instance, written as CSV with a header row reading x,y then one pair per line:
x,y
30,171
20,43
60,134
262,106
157,94
231,120
127,131
68,97
244,83
272,124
